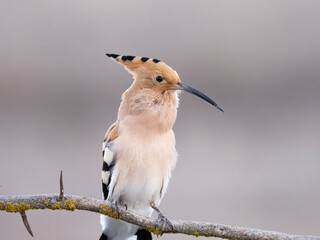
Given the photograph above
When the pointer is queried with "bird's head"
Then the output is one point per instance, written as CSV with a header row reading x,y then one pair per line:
x,y
155,74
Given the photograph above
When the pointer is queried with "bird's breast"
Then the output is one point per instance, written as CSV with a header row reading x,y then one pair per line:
x,y
144,165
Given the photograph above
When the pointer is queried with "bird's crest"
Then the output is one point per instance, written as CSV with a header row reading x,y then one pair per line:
x,y
146,66
133,63
129,59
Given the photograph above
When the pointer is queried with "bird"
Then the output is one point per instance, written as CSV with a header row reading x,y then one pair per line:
x,y
138,150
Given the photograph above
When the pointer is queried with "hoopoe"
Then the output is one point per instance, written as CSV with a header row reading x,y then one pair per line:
x,y
139,148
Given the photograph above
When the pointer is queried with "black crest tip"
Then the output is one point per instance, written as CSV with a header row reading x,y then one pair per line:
x,y
156,60
144,59
124,58
112,55
130,58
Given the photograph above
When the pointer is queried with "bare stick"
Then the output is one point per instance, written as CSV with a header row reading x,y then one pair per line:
x,y
25,222
61,187
71,203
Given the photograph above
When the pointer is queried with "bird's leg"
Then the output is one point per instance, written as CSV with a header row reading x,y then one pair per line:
x,y
162,219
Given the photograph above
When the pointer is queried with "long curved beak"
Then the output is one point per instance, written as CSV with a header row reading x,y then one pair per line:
x,y
185,87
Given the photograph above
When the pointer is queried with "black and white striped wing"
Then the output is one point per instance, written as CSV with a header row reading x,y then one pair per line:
x,y
109,160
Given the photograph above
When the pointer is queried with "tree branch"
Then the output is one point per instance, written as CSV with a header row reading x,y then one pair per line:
x,y
70,202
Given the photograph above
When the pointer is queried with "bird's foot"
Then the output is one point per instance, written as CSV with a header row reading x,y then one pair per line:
x,y
162,219
117,204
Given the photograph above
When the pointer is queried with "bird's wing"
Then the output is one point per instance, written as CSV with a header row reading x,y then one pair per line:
x,y
109,158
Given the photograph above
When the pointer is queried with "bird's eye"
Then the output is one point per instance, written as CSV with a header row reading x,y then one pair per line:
x,y
159,79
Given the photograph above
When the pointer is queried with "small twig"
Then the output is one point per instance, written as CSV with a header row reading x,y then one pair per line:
x,y
25,222
61,187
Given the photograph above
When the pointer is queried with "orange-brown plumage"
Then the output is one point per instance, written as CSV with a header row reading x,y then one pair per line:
x,y
146,72
112,133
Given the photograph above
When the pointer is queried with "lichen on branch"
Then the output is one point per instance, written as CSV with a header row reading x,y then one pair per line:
x,y
21,204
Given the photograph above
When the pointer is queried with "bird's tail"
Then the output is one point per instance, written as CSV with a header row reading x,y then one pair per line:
x,y
103,237
142,234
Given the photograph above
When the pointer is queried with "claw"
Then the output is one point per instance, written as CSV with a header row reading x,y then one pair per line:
x,y
117,204
124,204
162,219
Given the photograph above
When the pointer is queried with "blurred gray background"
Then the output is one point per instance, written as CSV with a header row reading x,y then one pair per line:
x,y
257,165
